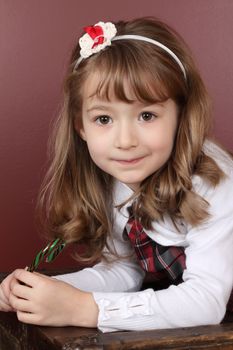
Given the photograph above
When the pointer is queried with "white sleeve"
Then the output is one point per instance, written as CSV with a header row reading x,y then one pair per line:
x,y
121,275
208,279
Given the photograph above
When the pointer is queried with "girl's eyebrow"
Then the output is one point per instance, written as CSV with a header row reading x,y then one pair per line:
x,y
157,103
99,107
108,107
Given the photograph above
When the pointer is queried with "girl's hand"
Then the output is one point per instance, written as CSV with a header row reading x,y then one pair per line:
x,y
43,300
5,293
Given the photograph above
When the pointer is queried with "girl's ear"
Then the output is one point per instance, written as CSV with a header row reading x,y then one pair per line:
x,y
79,129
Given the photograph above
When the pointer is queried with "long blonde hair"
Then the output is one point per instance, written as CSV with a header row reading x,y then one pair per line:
x,y
76,195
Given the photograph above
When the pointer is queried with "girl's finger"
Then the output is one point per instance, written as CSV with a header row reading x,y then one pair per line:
x,y
27,317
5,307
28,278
21,291
20,304
12,283
6,285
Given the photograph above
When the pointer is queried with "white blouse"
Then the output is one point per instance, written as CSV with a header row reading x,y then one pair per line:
x,y
208,278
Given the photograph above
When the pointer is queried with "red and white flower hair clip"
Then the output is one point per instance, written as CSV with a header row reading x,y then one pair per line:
x,y
102,34
96,38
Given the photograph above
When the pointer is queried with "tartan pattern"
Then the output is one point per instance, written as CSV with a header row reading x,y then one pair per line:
x,y
163,262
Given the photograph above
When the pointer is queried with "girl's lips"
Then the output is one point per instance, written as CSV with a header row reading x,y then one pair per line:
x,y
129,161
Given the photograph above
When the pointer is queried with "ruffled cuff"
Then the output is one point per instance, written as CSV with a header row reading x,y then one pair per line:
x,y
123,311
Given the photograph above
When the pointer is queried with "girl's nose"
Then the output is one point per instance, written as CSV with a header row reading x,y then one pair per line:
x,y
126,136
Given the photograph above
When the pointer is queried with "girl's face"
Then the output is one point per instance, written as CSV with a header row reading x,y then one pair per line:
x,y
129,141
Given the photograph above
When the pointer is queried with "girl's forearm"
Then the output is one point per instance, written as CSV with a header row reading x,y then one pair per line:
x,y
85,310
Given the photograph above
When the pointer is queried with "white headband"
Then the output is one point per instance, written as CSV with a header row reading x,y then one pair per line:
x,y
100,35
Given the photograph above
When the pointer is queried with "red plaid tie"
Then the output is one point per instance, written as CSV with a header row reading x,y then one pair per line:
x,y
162,261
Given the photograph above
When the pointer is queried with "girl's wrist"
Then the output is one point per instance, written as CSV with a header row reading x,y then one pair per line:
x,y
85,310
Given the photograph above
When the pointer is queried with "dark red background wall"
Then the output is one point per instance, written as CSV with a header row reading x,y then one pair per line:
x,y
36,36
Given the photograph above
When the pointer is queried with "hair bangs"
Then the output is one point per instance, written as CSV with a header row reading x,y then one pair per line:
x,y
121,76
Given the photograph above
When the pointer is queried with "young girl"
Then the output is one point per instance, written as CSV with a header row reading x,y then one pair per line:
x,y
134,179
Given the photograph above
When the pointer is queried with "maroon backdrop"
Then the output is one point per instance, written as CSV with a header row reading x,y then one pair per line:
x,y
35,39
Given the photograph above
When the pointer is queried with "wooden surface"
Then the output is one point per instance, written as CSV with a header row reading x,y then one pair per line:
x,y
15,335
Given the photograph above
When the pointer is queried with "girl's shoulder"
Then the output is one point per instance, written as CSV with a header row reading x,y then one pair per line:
x,y
221,157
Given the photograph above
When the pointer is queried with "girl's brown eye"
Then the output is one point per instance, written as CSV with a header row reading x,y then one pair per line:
x,y
103,120
147,116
